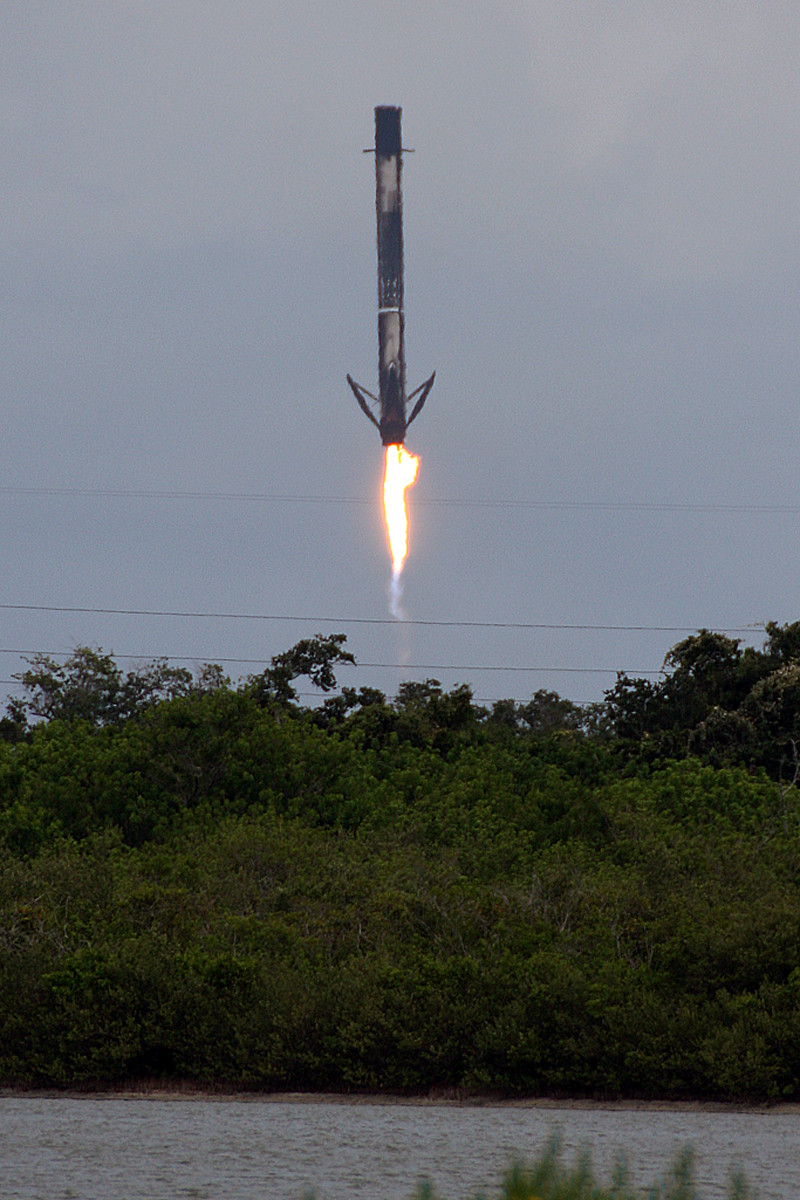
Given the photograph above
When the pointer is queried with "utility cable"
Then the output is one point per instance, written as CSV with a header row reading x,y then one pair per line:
x,y
280,498
234,616
366,665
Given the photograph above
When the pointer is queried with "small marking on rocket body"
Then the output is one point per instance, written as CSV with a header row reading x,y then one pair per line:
x,y
391,335
388,184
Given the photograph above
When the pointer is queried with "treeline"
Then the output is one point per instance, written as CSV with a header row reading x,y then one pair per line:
x,y
208,882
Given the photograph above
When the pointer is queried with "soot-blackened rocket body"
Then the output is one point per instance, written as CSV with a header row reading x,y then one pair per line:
x,y
391,397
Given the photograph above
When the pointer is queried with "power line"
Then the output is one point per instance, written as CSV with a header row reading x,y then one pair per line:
x,y
233,616
135,494
281,498
365,665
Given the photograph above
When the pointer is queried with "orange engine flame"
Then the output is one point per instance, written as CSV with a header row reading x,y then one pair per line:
x,y
401,471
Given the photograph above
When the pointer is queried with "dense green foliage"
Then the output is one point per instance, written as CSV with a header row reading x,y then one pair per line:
x,y
207,882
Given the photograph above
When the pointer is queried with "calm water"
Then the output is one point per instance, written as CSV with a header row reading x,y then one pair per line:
x,y
142,1148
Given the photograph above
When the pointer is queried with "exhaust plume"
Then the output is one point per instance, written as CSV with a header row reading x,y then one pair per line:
x,y
400,473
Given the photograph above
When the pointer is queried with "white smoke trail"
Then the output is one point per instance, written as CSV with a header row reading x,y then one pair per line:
x,y
395,594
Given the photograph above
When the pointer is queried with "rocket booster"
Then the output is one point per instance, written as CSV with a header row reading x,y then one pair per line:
x,y
391,399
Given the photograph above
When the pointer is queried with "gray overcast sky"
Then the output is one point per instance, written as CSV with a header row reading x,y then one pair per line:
x,y
601,225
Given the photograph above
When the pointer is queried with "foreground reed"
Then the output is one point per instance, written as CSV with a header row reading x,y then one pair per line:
x,y
549,1178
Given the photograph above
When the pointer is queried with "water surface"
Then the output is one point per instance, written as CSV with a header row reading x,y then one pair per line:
x,y
153,1148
